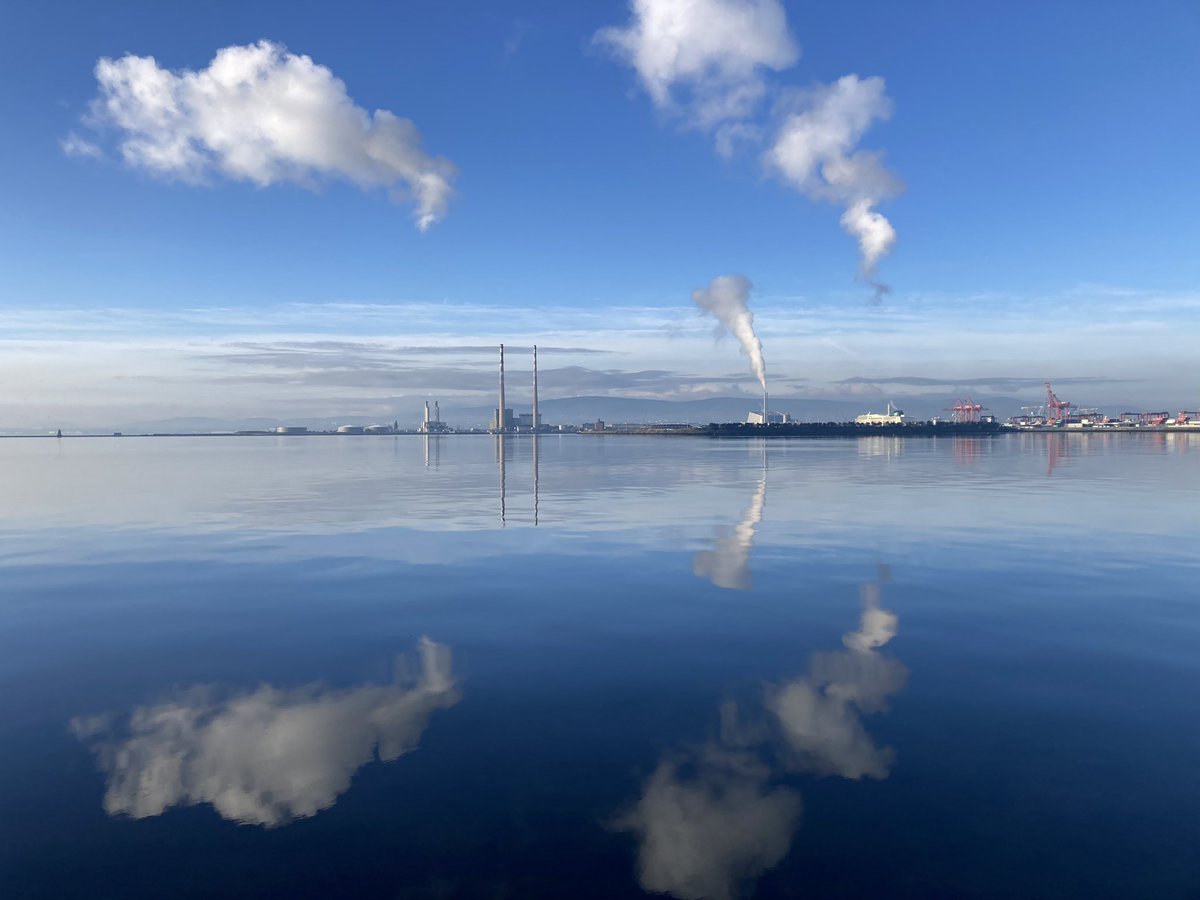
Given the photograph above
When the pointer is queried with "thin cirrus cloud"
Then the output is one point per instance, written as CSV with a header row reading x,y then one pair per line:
x,y
260,114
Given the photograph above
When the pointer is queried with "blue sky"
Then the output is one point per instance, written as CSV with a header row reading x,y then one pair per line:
x,y
1047,153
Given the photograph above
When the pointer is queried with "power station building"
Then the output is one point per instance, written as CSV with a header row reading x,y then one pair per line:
x,y
754,417
509,424
432,423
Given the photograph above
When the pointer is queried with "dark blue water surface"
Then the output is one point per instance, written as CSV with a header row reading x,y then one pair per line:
x,y
399,667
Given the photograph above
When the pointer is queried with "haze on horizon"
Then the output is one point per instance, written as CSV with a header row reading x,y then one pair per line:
x,y
259,215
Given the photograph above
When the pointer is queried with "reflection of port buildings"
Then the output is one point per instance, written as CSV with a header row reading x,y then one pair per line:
x,y
503,421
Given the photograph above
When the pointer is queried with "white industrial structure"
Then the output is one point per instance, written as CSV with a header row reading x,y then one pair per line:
x,y
432,423
754,417
893,416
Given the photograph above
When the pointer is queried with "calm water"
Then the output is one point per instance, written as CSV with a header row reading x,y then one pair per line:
x,y
398,668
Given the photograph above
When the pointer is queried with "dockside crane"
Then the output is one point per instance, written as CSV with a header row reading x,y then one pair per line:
x,y
1056,410
965,411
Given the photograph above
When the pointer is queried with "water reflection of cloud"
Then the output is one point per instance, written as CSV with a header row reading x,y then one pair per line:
x,y
727,565
819,715
703,832
267,756
712,818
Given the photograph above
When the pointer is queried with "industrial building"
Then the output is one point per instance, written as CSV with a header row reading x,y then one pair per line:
x,y
770,418
432,423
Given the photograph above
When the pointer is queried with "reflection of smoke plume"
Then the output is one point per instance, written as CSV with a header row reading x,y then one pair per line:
x,y
727,564
706,823
267,756
711,819
819,715
726,297
814,150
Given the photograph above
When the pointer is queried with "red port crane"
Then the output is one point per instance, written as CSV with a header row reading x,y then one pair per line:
x,y
965,411
1056,410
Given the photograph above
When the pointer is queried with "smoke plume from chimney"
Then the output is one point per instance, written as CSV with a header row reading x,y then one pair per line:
x,y
726,298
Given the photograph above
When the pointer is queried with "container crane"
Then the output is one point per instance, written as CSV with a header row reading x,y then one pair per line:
x,y
1057,410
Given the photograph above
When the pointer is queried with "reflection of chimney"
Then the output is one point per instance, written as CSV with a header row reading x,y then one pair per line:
x,y
500,411
535,411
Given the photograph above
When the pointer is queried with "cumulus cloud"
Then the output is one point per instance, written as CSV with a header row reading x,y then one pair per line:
x,y
702,835
815,150
267,756
704,59
258,113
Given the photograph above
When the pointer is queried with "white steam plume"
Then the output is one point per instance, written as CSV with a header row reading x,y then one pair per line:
x,y
261,114
726,298
814,151
704,59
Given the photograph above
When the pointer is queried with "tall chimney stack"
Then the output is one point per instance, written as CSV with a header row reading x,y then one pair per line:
x,y
764,406
535,409
500,411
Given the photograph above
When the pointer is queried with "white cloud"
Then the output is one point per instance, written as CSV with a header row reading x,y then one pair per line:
x,y
268,756
258,113
74,145
815,151
704,58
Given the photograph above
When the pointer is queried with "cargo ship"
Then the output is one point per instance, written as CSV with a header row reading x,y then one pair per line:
x,y
907,428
